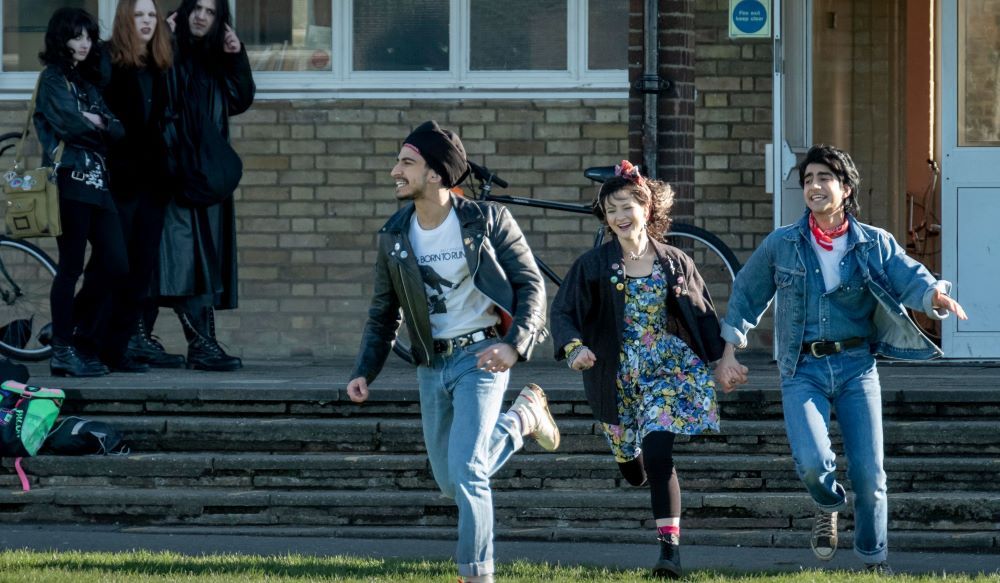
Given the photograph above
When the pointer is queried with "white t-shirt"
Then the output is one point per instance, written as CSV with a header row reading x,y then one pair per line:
x,y
829,261
455,306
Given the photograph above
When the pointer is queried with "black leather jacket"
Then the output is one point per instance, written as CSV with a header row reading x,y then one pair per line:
x,y
503,269
59,116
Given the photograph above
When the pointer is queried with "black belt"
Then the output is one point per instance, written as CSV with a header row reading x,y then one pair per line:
x,y
449,345
826,348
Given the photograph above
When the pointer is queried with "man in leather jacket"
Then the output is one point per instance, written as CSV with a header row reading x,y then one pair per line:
x,y
474,302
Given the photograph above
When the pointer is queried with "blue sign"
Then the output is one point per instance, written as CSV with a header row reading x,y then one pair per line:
x,y
750,16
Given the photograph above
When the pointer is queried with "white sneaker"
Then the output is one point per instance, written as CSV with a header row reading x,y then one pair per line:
x,y
533,409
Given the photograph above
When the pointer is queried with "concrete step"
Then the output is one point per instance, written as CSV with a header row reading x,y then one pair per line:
x,y
147,433
377,471
921,396
771,516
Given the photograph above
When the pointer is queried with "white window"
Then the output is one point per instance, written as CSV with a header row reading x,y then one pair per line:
x,y
394,48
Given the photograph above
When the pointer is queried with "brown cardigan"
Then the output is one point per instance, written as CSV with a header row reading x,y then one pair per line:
x,y
589,306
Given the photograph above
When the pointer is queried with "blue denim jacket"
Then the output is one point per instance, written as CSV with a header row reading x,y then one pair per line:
x,y
777,270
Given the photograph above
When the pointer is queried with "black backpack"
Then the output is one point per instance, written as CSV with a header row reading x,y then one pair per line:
x,y
78,436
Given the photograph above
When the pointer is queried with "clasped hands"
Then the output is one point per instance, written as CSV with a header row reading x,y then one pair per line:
x,y
729,373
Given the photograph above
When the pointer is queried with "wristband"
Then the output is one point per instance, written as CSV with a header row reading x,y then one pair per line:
x,y
571,346
571,357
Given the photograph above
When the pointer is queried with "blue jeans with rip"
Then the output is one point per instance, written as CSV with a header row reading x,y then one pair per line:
x,y
468,439
847,381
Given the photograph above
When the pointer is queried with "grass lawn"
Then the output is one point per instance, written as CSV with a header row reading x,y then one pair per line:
x,y
143,566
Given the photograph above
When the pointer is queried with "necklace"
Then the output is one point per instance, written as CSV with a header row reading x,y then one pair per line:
x,y
632,256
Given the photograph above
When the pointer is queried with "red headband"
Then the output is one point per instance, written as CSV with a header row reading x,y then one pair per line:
x,y
629,172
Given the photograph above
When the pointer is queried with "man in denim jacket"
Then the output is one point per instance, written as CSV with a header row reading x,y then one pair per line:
x,y
840,289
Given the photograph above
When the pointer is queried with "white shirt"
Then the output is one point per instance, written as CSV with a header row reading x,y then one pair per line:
x,y
829,261
455,306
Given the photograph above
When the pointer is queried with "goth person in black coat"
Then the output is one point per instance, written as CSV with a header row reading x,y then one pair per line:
x,y
197,263
69,110
136,65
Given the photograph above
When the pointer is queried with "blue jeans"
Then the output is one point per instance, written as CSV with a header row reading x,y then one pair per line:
x,y
849,382
468,440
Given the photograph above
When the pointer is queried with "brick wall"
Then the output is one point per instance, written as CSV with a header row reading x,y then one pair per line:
x,y
316,188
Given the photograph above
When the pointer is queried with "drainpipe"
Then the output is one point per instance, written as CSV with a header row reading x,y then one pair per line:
x,y
651,33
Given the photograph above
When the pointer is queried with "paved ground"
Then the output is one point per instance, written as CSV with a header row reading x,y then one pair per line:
x,y
735,559
333,373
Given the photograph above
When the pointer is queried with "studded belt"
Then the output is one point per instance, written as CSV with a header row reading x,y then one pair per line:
x,y
447,346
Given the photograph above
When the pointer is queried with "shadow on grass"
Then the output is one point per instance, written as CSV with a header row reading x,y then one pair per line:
x,y
175,565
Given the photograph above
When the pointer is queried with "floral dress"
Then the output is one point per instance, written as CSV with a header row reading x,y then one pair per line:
x,y
662,384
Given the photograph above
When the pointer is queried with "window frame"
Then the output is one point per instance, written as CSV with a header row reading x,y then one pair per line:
x,y
577,81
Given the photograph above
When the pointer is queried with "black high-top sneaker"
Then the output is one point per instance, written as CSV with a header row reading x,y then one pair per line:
x,y
669,564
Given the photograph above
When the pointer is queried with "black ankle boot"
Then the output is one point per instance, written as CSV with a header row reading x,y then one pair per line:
x,y
204,352
67,362
128,364
669,564
142,347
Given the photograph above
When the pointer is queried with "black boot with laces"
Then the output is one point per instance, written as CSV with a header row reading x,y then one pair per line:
x,y
142,347
669,564
204,352
66,361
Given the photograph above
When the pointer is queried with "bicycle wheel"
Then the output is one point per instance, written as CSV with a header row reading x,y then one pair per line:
x,y
715,261
26,274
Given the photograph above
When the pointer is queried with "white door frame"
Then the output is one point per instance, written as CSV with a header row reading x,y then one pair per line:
x,y
970,195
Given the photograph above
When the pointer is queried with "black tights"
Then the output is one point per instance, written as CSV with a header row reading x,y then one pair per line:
x,y
106,269
664,489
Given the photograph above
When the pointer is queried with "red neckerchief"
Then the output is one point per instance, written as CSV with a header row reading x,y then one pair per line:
x,y
824,238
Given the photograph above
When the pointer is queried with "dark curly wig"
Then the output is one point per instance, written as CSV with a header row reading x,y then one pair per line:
x,y
65,25
655,195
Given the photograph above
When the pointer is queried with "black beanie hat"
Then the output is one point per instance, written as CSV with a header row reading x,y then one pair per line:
x,y
442,150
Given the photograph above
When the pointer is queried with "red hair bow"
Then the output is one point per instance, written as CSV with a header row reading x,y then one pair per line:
x,y
629,172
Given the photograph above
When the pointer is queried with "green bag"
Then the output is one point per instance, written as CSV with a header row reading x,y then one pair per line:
x,y
27,414
32,195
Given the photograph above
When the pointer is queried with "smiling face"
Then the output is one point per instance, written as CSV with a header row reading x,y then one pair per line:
x,y
824,193
144,16
625,215
412,175
202,18
80,46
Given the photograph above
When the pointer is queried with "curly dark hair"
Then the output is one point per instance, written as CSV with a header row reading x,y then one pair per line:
x,y
65,25
839,162
212,47
655,195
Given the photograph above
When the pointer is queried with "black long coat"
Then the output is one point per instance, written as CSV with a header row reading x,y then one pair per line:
x,y
137,161
198,248
590,307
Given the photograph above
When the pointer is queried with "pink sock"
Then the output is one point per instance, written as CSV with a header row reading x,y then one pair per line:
x,y
669,530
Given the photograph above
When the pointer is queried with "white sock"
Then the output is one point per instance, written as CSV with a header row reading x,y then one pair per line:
x,y
519,423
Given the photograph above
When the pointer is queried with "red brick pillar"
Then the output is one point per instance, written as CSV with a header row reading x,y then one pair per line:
x,y
675,116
